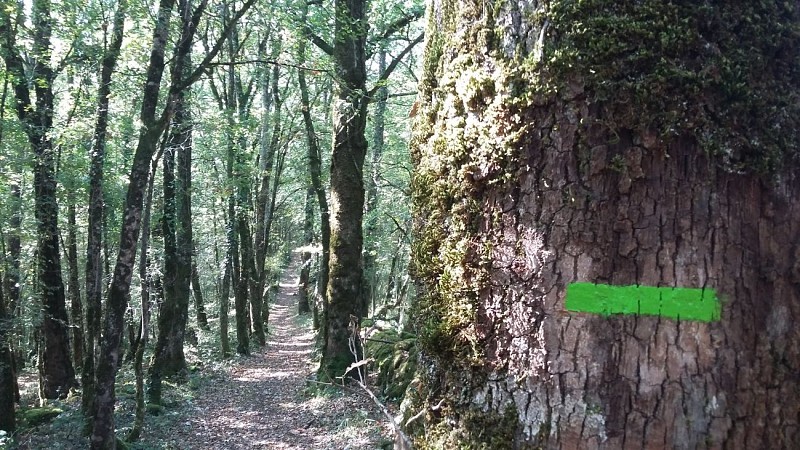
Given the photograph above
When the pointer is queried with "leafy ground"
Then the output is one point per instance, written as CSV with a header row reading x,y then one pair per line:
x,y
265,401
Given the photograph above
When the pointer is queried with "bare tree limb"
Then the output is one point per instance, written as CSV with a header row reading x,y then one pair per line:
x,y
393,65
318,41
268,61
401,23
212,53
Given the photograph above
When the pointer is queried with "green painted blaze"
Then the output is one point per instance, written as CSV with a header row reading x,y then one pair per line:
x,y
675,303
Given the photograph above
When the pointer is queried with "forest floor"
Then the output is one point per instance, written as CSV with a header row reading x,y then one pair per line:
x,y
268,400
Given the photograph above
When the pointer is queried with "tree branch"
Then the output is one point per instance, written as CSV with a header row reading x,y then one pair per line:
x,y
393,65
268,61
318,41
402,94
210,55
401,23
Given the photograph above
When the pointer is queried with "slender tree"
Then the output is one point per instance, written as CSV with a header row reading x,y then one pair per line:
x,y
314,157
153,124
199,303
7,377
103,435
304,290
76,306
146,278
371,225
94,239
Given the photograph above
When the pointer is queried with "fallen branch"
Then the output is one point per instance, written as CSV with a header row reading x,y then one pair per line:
x,y
401,439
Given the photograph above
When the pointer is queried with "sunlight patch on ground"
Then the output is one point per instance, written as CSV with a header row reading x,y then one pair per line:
x,y
289,344
282,374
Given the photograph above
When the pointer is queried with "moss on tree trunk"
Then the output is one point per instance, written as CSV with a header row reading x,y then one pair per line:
x,y
598,142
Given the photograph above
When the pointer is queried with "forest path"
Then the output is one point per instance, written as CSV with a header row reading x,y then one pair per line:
x,y
264,402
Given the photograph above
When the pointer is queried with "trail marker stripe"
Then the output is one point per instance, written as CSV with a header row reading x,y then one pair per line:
x,y
675,303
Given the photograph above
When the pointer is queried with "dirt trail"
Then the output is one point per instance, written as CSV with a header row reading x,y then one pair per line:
x,y
263,401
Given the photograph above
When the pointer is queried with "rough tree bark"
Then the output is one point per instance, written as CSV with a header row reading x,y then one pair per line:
x,y
57,374
626,144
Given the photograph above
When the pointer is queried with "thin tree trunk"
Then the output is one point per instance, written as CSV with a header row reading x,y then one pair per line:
x,y
145,277
12,272
103,435
7,377
224,293
303,304
199,303
315,172
240,300
238,199
76,307
94,245
224,305
168,356
264,209
370,213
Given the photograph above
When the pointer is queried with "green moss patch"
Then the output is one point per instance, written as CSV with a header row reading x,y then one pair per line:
x,y
726,74
395,356
33,417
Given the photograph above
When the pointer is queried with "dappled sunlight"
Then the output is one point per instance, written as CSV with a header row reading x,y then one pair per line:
x,y
265,402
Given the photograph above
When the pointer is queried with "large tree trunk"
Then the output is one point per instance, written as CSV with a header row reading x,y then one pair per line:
x,y
547,199
347,187
56,372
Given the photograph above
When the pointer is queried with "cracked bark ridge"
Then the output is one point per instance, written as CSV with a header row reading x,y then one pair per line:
x,y
580,201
